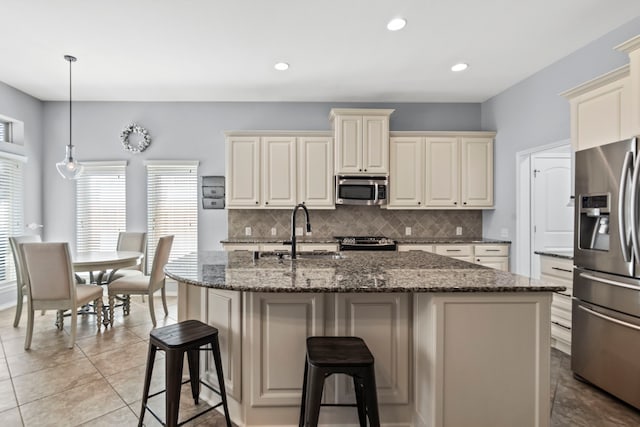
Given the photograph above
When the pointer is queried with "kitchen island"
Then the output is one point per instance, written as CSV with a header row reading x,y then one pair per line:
x,y
454,343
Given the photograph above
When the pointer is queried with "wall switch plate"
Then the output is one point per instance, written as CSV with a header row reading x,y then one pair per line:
x,y
407,231
247,231
458,231
504,233
274,231
298,231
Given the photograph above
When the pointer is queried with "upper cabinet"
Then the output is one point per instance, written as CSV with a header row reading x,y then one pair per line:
x,y
361,140
431,170
278,171
607,108
600,110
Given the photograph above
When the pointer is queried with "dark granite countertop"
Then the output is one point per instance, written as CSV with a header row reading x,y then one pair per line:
x,y
356,272
403,239
567,254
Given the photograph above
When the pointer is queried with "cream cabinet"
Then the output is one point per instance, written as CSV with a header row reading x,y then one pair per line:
x,y
559,271
490,255
243,172
278,171
315,172
441,171
632,48
601,110
280,247
361,140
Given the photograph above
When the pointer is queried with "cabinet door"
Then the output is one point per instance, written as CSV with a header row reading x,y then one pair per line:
x,y
243,172
477,172
279,171
375,144
382,321
315,172
442,172
224,313
405,178
348,144
277,330
601,115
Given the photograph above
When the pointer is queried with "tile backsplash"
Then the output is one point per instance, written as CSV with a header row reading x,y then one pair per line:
x,y
357,221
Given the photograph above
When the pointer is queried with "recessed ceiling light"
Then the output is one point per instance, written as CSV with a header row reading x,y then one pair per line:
x,y
396,24
460,67
281,66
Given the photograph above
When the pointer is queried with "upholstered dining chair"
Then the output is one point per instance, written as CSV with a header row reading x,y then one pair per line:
x,y
145,285
51,285
15,243
136,242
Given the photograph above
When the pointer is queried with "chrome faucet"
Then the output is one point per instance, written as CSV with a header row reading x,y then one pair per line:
x,y
293,227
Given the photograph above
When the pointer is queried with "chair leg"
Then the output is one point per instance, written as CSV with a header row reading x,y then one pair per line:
x,y
358,388
74,326
304,393
163,293
60,319
151,309
151,357
112,303
27,340
173,361
98,308
16,321
371,396
215,346
314,396
193,357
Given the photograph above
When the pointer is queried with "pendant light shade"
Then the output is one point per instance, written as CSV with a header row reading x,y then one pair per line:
x,y
69,167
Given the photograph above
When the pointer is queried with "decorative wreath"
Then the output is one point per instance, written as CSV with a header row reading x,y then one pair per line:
x,y
144,142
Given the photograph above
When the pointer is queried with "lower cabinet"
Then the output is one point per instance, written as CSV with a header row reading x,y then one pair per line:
x,y
490,255
559,271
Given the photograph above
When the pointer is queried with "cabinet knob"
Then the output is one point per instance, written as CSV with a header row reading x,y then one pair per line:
x,y
256,203
455,203
266,203
465,203
359,170
365,170
419,202
303,203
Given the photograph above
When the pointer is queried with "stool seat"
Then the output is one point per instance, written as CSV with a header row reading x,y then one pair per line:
x,y
338,355
188,333
338,351
176,340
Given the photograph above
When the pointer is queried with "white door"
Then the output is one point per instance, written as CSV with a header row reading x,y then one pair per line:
x,y
375,144
477,172
348,144
405,173
552,218
315,172
442,172
279,171
243,172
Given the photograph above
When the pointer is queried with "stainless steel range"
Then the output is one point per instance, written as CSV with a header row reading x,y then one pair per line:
x,y
366,243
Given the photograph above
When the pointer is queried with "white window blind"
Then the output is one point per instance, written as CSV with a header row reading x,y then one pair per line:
x,y
172,206
11,212
101,208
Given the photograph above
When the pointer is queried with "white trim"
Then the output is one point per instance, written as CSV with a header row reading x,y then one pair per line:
x,y
105,164
522,244
13,156
171,163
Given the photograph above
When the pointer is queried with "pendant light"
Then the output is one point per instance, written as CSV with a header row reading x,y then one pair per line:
x,y
69,168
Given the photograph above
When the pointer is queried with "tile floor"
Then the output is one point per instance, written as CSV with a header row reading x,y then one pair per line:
x,y
99,381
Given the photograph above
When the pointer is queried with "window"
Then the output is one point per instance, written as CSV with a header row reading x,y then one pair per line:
x,y
5,131
172,206
11,210
101,209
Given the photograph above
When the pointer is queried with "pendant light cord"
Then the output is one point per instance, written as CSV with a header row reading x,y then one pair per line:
x,y
70,115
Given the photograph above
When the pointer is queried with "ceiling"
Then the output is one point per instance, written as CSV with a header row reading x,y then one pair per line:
x,y
338,50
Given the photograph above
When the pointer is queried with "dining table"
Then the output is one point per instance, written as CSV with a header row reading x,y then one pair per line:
x,y
106,263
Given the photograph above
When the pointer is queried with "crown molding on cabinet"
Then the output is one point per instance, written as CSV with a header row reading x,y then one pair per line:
x,y
435,133
599,81
292,133
630,45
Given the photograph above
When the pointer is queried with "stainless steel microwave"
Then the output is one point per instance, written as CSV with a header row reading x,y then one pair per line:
x,y
361,190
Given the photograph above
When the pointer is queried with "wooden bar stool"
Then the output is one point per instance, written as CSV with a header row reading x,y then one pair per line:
x,y
338,355
175,340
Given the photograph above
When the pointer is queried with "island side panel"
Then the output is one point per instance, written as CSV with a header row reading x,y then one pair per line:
x,y
482,359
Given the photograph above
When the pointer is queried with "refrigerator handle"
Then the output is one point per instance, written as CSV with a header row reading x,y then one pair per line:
x,y
634,212
622,217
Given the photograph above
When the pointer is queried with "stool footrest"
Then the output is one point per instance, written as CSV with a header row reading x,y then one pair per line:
x,y
352,405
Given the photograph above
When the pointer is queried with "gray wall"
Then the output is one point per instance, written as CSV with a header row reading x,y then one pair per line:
x,y
532,114
192,131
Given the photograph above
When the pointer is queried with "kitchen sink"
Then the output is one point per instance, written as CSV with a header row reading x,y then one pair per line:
x,y
302,255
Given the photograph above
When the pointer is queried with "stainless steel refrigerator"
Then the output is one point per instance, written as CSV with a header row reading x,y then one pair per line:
x,y
605,342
